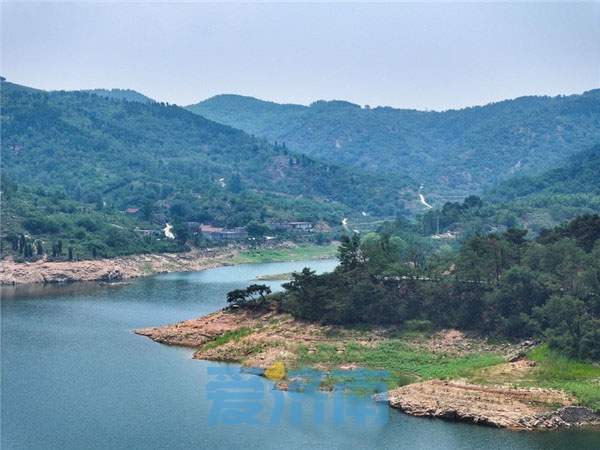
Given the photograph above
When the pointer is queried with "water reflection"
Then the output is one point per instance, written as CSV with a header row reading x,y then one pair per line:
x,y
55,289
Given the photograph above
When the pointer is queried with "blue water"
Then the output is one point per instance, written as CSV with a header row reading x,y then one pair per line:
x,y
74,376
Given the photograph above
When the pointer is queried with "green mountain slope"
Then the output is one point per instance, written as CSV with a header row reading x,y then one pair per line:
x,y
536,202
47,217
175,164
579,174
556,195
452,152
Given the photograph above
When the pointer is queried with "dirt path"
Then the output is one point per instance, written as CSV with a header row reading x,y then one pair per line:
x,y
424,202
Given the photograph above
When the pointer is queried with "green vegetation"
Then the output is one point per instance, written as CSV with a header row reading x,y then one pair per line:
x,y
108,151
53,223
230,336
456,151
302,252
580,378
405,363
534,202
557,195
254,296
501,285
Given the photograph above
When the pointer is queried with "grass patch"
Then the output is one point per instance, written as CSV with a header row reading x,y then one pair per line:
x,y
286,254
234,335
146,268
579,378
403,362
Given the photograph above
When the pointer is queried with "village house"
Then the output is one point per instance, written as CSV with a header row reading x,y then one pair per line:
x,y
223,234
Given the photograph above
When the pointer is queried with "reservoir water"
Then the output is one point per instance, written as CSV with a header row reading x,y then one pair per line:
x,y
74,376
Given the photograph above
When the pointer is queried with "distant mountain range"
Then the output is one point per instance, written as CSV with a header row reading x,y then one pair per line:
x,y
72,162
455,152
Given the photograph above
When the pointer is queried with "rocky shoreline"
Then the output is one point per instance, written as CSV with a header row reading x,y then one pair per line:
x,y
496,406
113,269
264,339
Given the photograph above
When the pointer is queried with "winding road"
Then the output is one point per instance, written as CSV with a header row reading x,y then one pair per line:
x,y
168,233
424,202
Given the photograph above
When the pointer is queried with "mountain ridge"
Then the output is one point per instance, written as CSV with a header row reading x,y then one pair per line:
x,y
121,94
452,152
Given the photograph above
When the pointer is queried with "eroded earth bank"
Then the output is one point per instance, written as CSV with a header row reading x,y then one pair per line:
x,y
110,269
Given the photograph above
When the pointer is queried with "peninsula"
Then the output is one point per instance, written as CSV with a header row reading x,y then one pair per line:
x,y
447,374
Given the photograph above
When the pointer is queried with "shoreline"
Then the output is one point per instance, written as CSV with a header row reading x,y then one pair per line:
x,y
134,266
267,342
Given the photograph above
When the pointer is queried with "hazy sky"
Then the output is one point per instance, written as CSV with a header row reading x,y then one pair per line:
x,y
427,55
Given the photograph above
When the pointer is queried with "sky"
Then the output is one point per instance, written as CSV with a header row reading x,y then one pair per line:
x,y
432,56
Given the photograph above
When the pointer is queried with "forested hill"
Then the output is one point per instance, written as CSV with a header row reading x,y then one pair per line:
x,y
557,194
455,151
580,174
128,154
534,202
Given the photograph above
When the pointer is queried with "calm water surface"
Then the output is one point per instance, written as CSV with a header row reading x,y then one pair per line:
x,y
75,377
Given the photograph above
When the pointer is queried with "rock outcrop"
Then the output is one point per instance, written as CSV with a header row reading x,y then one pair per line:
x,y
197,332
497,406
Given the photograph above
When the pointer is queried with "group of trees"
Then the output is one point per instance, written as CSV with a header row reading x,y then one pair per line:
x,y
498,284
454,213
23,246
251,297
27,248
